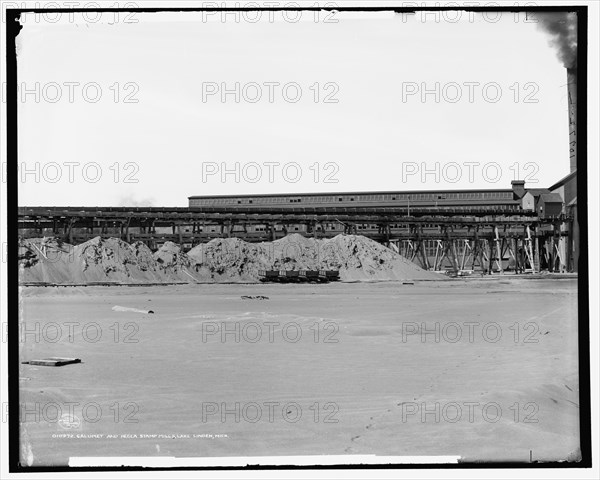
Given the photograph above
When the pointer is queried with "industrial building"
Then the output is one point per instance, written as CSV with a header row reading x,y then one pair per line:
x,y
455,230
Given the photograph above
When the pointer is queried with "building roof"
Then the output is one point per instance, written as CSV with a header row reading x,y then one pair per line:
x,y
536,192
551,198
320,194
564,180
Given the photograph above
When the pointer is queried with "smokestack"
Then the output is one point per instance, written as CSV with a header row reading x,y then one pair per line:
x,y
562,29
572,91
518,187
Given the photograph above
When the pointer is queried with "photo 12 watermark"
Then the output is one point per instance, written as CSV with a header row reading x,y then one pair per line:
x,y
468,412
461,13
290,412
269,92
269,332
65,92
269,172
469,92
468,171
74,172
74,332
76,415
472,332
76,12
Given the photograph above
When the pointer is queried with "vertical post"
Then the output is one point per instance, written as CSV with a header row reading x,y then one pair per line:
x,y
423,248
561,241
529,249
70,233
536,253
512,249
498,249
127,236
273,231
454,256
569,247
464,253
437,251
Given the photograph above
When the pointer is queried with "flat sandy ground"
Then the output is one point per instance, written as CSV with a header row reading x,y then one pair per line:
x,y
364,378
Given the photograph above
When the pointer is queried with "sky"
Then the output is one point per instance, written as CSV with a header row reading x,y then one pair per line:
x,y
124,114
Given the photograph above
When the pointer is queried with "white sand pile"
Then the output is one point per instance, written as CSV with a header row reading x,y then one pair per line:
x,y
220,260
45,260
173,263
228,259
97,260
359,258
144,256
356,257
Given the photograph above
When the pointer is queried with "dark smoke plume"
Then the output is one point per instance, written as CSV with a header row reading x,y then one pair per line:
x,y
562,27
